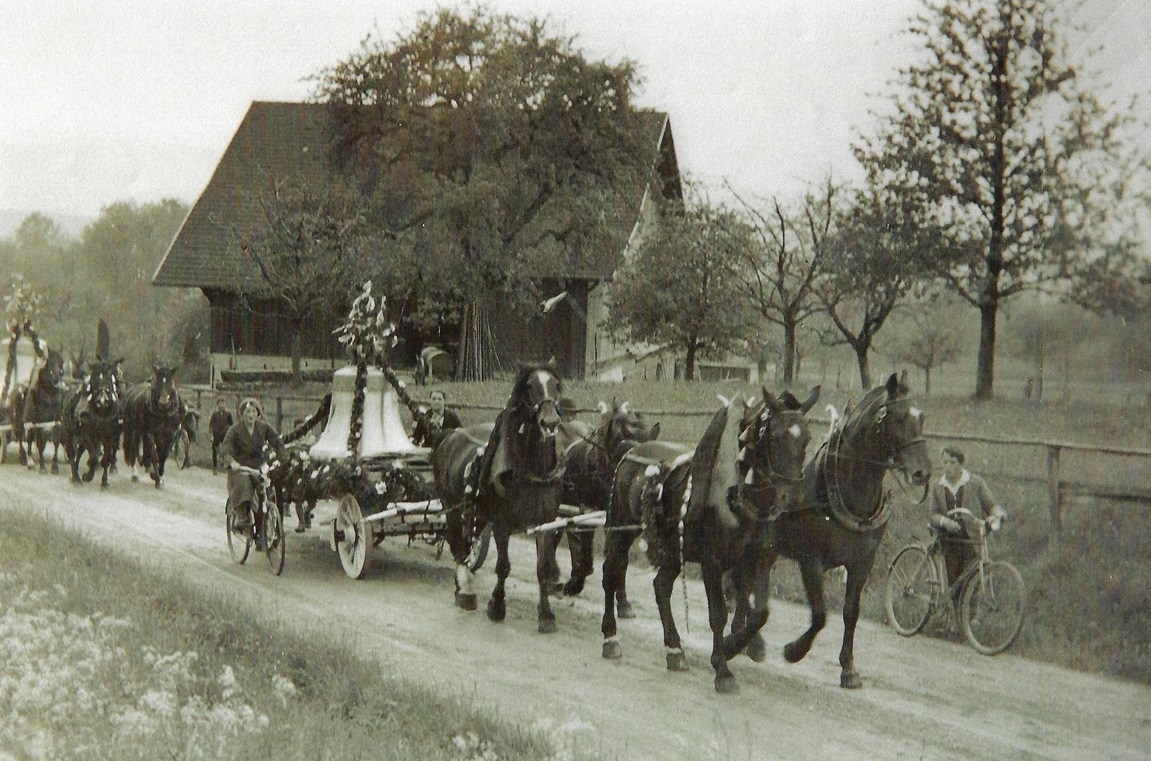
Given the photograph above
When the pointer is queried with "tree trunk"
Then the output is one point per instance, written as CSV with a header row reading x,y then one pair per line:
x,y
789,352
864,370
985,368
927,382
297,374
689,362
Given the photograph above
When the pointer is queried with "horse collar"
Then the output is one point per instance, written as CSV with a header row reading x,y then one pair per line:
x,y
837,505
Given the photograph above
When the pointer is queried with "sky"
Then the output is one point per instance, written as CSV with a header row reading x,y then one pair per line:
x,y
126,100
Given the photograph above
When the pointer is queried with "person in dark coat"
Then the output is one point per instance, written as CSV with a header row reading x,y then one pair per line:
x,y
433,424
248,444
219,424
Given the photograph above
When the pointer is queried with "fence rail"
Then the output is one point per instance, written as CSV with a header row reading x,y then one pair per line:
x,y
1058,490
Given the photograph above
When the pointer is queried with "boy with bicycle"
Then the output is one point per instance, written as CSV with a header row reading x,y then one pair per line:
x,y
958,487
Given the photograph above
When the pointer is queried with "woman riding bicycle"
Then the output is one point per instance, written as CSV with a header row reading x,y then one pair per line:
x,y
958,487
244,450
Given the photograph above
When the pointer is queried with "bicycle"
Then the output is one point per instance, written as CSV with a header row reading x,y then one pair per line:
x,y
267,524
992,597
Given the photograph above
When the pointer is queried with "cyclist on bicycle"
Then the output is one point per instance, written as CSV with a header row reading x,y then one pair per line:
x,y
243,450
958,487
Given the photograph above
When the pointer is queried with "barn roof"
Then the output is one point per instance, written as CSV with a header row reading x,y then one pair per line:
x,y
279,140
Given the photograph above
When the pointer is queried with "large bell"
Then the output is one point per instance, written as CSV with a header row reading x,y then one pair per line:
x,y
383,431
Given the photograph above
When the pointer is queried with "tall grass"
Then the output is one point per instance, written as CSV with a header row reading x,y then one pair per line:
x,y
104,660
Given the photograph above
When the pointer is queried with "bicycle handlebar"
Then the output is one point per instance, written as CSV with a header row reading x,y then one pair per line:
x,y
992,522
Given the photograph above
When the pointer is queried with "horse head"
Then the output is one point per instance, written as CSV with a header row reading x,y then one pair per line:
x,y
622,427
775,437
51,376
101,387
535,396
899,432
164,396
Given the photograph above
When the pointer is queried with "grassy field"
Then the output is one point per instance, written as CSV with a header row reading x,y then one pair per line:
x,y
103,660
1087,593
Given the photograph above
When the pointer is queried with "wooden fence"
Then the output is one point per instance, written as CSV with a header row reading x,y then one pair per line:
x,y
1058,490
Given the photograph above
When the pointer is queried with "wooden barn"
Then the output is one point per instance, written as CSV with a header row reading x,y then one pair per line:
x,y
290,140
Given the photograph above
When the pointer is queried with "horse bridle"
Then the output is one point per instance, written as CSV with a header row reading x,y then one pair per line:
x,y
764,416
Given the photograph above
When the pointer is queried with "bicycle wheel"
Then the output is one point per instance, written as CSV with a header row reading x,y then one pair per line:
x,y
239,544
912,584
273,533
992,607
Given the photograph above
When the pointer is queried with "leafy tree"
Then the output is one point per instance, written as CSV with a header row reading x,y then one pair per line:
x,y
678,289
1005,142
869,248
930,339
115,259
778,273
492,151
310,246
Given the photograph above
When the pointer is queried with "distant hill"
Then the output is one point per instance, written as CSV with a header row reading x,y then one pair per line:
x,y
71,224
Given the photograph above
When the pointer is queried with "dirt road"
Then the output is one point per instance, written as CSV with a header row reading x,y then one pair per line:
x,y
922,698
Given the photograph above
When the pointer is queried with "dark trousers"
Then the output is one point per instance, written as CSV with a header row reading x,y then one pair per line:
x,y
958,554
216,442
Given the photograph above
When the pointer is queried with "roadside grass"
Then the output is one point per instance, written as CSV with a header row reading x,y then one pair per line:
x,y
103,659
1087,594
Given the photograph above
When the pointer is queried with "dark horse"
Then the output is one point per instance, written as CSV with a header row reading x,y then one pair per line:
x,y
589,470
35,410
842,515
153,412
91,422
690,506
512,481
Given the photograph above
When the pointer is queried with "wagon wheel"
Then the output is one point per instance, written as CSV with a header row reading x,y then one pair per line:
x,y
239,545
479,551
353,537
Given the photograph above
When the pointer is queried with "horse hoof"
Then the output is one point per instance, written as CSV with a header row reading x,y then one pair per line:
x,y
726,685
55,470
572,588
792,653
756,649
497,612
677,661
547,626
135,479
88,477
103,484
612,651
849,680
624,610
466,602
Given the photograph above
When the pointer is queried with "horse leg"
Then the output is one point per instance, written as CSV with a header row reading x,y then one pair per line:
x,y
580,545
107,460
717,617
849,677
614,567
546,553
545,563
812,573
752,581
55,454
497,606
664,583
41,445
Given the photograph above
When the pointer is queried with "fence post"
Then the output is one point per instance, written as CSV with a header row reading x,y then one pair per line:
x,y
1053,494
279,413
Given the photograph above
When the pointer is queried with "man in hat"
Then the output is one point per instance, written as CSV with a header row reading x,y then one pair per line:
x,y
219,424
570,429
